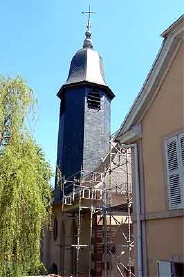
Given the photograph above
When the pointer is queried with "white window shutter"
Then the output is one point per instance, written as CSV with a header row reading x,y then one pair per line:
x,y
181,150
181,147
173,173
164,269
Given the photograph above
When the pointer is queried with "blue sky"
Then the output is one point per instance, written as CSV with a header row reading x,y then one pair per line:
x,y
39,37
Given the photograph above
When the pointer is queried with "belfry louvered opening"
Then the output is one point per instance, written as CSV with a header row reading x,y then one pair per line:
x,y
93,100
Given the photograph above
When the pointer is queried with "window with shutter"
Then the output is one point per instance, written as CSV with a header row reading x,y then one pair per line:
x,y
181,146
181,151
164,269
174,150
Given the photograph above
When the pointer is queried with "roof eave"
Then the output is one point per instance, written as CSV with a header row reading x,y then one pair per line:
x,y
110,94
172,27
132,135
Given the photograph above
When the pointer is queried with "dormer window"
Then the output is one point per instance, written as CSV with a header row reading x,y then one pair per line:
x,y
93,100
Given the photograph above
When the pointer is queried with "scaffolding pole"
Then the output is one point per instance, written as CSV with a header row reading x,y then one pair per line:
x,y
104,209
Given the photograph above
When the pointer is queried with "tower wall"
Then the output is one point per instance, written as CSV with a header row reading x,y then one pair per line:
x,y
84,134
96,132
70,137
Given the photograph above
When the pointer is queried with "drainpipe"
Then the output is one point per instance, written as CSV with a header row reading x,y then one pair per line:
x,y
138,211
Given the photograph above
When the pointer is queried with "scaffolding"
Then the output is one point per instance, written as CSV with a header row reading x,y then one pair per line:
x,y
105,196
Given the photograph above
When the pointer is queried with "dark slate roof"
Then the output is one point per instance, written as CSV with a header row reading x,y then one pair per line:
x,y
86,68
86,65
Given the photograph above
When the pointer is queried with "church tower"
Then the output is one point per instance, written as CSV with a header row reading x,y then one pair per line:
x,y
84,119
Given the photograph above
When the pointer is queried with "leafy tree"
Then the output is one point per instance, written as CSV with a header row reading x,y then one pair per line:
x,y
24,182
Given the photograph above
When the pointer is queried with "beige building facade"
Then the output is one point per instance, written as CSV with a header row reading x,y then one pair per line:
x,y
154,128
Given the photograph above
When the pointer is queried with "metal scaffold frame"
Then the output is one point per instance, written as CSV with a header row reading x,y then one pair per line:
x,y
98,188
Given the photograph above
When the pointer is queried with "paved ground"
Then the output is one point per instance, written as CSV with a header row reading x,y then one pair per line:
x,y
55,275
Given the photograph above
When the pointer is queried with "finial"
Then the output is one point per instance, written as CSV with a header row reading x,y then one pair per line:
x,y
88,41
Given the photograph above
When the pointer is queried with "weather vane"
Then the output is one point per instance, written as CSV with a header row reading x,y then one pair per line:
x,y
89,17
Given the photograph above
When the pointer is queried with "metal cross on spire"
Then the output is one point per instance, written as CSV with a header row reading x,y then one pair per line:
x,y
89,17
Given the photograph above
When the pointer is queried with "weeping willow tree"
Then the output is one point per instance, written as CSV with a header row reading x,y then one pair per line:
x,y
24,182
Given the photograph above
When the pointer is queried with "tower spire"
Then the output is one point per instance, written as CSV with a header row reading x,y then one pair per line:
x,y
88,41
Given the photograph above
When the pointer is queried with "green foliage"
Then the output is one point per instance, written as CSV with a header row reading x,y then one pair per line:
x,y
24,183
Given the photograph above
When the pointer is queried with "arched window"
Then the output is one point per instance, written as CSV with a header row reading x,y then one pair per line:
x,y
54,269
74,242
93,100
55,228
62,248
